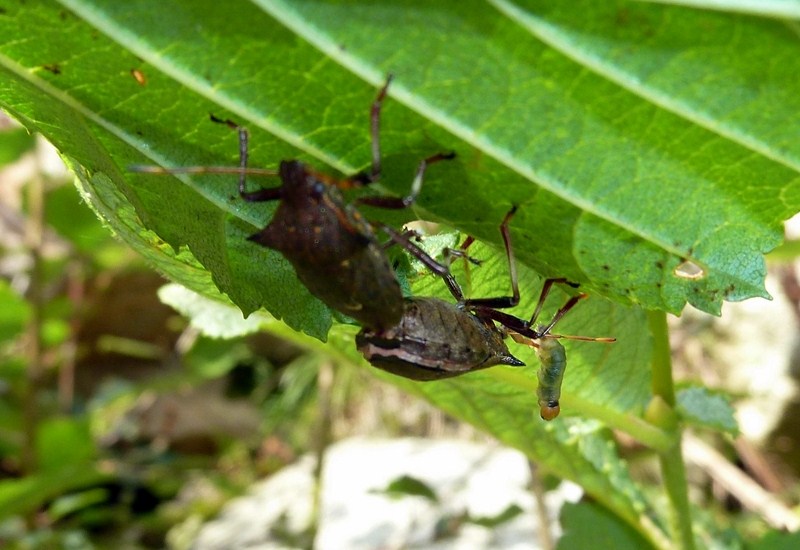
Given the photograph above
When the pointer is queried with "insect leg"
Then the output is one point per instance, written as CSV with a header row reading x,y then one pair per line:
x,y
561,312
397,203
262,195
403,240
502,301
451,253
375,130
515,324
548,284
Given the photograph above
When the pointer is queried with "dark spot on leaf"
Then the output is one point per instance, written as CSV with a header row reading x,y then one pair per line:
x,y
606,267
53,68
660,264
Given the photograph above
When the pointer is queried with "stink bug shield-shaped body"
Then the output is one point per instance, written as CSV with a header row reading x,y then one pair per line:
x,y
434,340
333,250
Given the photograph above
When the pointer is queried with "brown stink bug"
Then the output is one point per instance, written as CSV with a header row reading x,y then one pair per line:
x,y
332,248
436,339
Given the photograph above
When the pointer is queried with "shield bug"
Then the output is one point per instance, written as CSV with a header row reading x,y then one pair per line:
x,y
333,249
436,339
433,340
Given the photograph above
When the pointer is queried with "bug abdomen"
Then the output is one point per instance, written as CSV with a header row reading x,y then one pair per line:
x,y
434,340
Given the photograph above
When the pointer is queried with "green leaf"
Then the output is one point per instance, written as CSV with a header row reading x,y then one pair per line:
x,y
706,409
720,84
598,169
69,504
608,198
614,190
409,486
511,511
14,313
25,495
63,441
186,233
587,527
215,358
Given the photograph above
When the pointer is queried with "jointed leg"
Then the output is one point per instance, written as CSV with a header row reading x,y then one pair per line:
x,y
403,240
397,203
502,301
264,194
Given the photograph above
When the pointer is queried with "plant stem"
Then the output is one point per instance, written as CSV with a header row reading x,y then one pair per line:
x,y
672,466
662,362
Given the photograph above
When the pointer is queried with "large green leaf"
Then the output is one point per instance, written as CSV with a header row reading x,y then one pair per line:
x,y
615,191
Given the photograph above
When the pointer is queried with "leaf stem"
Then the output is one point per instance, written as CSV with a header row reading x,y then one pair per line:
x,y
662,363
673,468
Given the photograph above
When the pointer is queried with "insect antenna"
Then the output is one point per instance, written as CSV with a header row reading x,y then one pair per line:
x,y
599,339
159,170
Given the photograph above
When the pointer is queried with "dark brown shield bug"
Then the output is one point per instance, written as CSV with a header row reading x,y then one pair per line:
x,y
333,249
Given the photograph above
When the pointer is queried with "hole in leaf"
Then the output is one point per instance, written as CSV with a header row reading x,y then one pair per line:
x,y
687,269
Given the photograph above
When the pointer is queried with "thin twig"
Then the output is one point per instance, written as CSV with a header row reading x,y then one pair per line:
x,y
740,485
